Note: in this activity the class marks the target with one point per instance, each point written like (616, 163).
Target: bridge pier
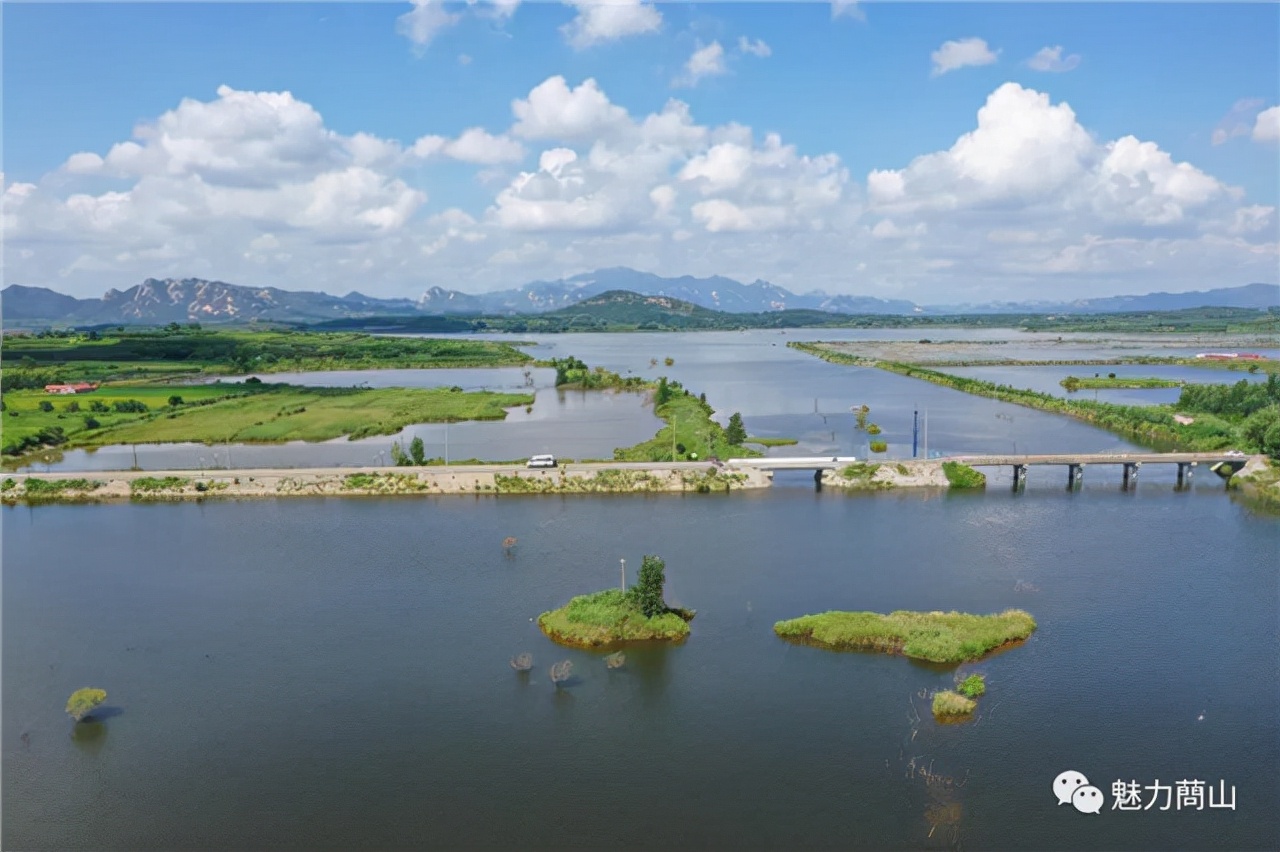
(1185, 469)
(1075, 475)
(1019, 477)
(1131, 474)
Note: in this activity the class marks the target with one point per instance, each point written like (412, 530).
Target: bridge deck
(837, 462)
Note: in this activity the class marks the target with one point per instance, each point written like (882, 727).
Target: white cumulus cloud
(600, 21)
(963, 53)
(706, 61)
(553, 110)
(756, 48)
(474, 145)
(1266, 128)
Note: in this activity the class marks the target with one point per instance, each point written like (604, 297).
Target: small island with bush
(613, 616)
(939, 637)
(958, 704)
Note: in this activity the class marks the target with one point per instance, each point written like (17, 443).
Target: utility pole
(926, 433)
(446, 443)
(915, 432)
(624, 574)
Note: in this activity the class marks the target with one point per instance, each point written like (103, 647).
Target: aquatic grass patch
(948, 703)
(772, 442)
(878, 446)
(939, 637)
(609, 617)
(960, 475)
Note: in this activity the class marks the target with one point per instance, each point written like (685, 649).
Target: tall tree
(663, 394)
(735, 433)
(647, 592)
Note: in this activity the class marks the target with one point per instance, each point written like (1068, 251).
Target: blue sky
(1058, 202)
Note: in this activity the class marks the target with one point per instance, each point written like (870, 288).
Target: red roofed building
(78, 387)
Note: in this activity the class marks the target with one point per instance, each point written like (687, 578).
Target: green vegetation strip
(1074, 383)
(145, 485)
(55, 487)
(607, 617)
(772, 442)
(1244, 415)
(939, 637)
(689, 432)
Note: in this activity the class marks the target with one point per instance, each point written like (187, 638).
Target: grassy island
(947, 703)
(614, 616)
(1074, 383)
(939, 637)
(609, 617)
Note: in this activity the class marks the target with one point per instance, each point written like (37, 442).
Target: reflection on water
(89, 735)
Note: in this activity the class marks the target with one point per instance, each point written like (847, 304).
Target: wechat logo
(1072, 788)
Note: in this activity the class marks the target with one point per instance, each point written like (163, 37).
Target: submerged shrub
(972, 686)
(560, 672)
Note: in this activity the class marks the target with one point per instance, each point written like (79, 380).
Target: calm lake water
(779, 391)
(328, 673)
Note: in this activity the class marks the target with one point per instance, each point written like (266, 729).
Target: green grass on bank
(940, 637)
(608, 617)
(962, 476)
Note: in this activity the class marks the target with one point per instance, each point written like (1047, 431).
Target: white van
(541, 461)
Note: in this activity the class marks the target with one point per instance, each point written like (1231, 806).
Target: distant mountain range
(195, 300)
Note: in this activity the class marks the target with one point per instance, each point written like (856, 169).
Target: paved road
(347, 471)
(767, 463)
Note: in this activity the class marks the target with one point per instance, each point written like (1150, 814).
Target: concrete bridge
(1221, 462)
